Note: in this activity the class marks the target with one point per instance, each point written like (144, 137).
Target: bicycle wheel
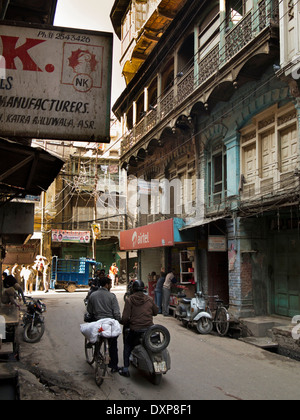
(101, 349)
(89, 352)
(222, 321)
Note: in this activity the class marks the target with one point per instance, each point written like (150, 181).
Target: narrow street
(203, 367)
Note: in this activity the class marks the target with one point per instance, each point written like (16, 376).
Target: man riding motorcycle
(137, 316)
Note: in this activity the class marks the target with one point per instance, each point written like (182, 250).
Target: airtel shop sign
(157, 235)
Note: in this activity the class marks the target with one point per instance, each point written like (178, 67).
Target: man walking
(170, 279)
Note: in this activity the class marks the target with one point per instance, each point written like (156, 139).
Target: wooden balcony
(252, 32)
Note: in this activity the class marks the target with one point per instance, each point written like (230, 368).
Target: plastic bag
(107, 327)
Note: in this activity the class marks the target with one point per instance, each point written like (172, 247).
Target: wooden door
(286, 299)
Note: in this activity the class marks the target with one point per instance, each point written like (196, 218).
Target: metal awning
(203, 222)
(25, 170)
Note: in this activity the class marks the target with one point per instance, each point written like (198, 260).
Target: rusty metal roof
(25, 170)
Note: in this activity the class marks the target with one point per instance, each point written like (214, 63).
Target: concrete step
(261, 326)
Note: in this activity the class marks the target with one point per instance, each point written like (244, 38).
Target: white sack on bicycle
(107, 327)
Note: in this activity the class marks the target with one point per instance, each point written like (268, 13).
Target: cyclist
(137, 316)
(103, 304)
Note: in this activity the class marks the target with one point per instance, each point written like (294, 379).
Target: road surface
(203, 367)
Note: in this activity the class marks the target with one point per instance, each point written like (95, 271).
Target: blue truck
(72, 274)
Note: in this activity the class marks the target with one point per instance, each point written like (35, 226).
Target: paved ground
(203, 367)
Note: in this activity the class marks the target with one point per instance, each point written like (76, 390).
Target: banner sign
(83, 237)
(55, 83)
(157, 235)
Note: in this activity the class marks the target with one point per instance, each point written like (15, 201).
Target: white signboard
(55, 83)
(217, 244)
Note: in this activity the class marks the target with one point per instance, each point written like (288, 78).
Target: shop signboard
(55, 83)
(157, 235)
(217, 244)
(83, 237)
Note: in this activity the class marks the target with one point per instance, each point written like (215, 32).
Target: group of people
(137, 316)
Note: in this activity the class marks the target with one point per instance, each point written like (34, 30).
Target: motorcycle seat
(186, 300)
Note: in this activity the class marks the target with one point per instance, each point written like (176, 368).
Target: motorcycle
(193, 312)
(151, 354)
(129, 289)
(33, 321)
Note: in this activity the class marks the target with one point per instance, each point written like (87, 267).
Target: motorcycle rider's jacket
(139, 311)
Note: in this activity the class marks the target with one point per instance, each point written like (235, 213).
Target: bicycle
(221, 318)
(98, 354)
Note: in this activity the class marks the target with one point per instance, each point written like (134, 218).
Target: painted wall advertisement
(55, 83)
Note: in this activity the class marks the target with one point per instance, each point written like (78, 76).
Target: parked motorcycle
(151, 354)
(33, 321)
(193, 312)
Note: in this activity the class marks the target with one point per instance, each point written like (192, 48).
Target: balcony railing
(235, 41)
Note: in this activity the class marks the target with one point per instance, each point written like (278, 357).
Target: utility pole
(95, 209)
(42, 223)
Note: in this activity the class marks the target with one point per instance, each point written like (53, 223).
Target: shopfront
(211, 256)
(160, 246)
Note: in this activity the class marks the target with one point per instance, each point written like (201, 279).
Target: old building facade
(210, 120)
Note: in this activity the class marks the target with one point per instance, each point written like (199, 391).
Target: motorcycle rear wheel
(204, 326)
(32, 334)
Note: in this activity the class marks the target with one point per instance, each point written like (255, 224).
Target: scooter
(150, 354)
(193, 312)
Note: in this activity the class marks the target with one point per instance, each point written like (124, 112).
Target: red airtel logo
(11, 52)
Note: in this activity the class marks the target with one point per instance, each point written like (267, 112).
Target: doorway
(285, 296)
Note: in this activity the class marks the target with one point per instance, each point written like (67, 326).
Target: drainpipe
(222, 58)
